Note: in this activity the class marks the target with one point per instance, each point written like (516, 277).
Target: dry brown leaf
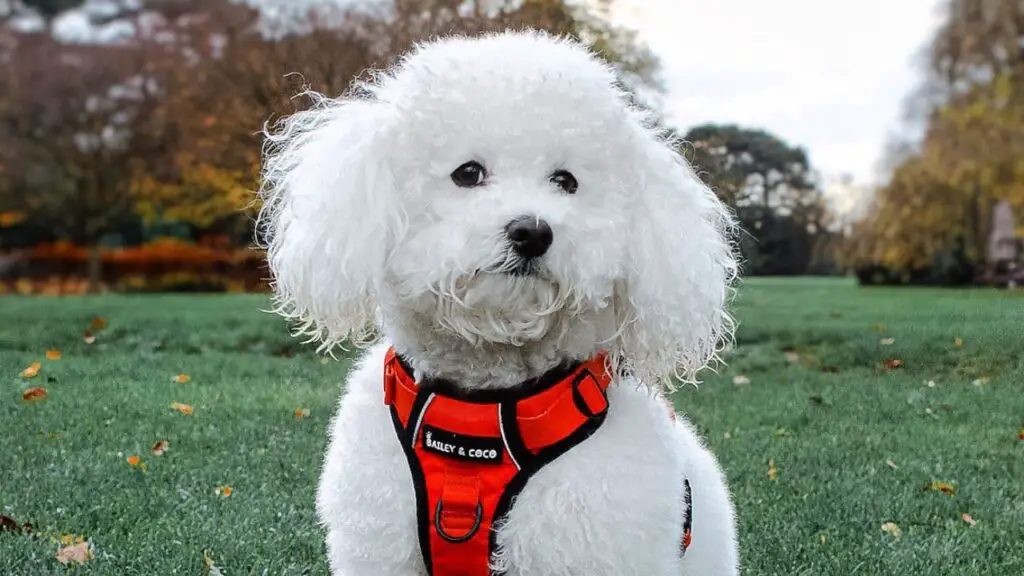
(53, 354)
(958, 342)
(967, 518)
(160, 447)
(77, 553)
(183, 408)
(944, 487)
(7, 524)
(88, 337)
(224, 491)
(182, 378)
(32, 371)
(879, 327)
(1020, 434)
(891, 528)
(133, 460)
(34, 394)
(98, 323)
(773, 472)
(893, 364)
(301, 413)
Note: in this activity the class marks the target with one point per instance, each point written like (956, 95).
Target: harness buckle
(588, 396)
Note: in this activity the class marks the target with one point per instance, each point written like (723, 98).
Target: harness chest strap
(470, 458)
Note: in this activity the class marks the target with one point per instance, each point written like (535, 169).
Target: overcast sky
(829, 75)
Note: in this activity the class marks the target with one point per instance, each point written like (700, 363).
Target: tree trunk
(95, 269)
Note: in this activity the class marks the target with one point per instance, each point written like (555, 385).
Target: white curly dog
(530, 262)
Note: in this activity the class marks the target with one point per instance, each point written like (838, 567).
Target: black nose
(530, 236)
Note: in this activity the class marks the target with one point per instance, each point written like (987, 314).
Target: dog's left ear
(329, 210)
(680, 268)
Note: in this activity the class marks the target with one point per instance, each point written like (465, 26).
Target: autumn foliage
(932, 220)
(111, 141)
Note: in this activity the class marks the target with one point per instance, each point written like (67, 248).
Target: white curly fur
(368, 235)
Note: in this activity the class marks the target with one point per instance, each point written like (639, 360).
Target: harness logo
(471, 448)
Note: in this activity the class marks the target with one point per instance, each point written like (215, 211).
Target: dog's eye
(469, 175)
(565, 180)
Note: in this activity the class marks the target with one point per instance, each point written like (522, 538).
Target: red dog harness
(471, 457)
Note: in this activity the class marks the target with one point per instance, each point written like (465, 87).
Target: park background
(870, 416)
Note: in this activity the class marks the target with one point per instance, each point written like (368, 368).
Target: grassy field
(852, 442)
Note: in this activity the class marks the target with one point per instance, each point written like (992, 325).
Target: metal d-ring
(455, 540)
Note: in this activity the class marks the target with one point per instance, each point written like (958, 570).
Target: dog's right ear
(328, 207)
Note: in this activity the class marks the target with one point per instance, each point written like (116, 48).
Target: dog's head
(502, 190)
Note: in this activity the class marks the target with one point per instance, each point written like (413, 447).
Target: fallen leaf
(891, 528)
(823, 538)
(1020, 434)
(134, 460)
(98, 323)
(782, 433)
(210, 568)
(829, 369)
(301, 413)
(182, 378)
(224, 491)
(53, 354)
(944, 487)
(32, 371)
(727, 436)
(967, 518)
(34, 394)
(740, 380)
(893, 364)
(981, 381)
(160, 447)
(887, 341)
(879, 327)
(773, 472)
(88, 337)
(183, 408)
(325, 360)
(7, 524)
(791, 356)
(958, 342)
(892, 465)
(78, 553)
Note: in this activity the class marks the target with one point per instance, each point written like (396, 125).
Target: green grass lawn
(852, 443)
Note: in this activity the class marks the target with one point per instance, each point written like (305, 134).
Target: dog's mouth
(522, 268)
(515, 267)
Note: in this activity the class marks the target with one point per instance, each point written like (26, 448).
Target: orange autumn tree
(935, 211)
(246, 68)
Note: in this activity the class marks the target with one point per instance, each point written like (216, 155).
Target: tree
(772, 189)
(246, 67)
(72, 119)
(939, 198)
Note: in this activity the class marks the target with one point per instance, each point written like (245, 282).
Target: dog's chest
(581, 513)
